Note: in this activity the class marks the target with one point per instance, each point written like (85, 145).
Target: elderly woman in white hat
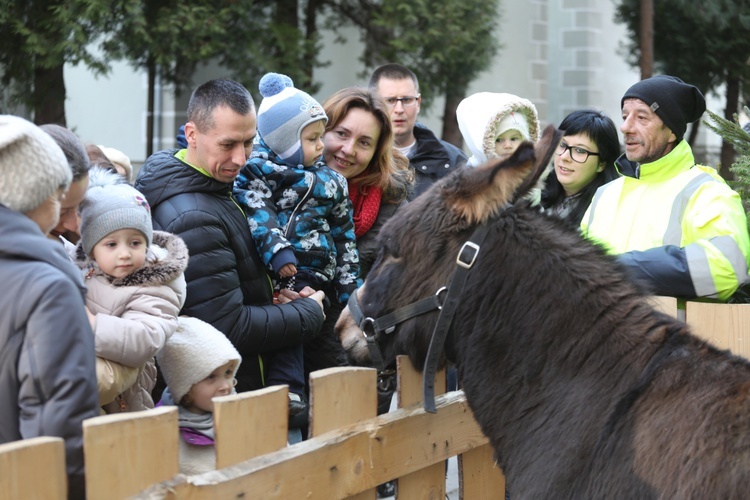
(47, 377)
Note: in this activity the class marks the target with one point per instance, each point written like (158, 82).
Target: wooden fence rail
(350, 451)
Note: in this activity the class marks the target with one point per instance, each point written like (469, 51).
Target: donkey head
(418, 249)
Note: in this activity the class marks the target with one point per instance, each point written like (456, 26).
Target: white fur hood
(478, 116)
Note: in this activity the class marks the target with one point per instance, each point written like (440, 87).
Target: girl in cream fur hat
(493, 125)
(198, 363)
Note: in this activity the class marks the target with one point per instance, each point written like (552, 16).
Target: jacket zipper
(301, 202)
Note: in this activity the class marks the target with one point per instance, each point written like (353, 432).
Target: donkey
(583, 389)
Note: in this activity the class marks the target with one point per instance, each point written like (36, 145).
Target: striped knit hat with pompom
(282, 115)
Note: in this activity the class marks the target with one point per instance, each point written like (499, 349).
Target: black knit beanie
(677, 103)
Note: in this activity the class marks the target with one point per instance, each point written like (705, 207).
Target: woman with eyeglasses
(584, 160)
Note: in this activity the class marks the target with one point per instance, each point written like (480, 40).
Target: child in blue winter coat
(299, 210)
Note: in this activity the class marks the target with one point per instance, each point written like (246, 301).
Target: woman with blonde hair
(358, 143)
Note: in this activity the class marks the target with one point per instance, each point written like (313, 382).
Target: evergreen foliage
(447, 42)
(734, 134)
(705, 44)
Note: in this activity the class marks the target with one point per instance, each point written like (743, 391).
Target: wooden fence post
(127, 452)
(479, 477)
(724, 325)
(343, 396)
(250, 424)
(430, 481)
(33, 469)
(667, 305)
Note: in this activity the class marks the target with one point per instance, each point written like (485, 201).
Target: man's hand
(285, 296)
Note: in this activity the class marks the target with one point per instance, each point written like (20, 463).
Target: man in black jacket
(190, 193)
(430, 157)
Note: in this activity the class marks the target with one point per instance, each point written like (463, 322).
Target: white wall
(108, 110)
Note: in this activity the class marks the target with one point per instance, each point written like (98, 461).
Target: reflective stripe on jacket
(674, 216)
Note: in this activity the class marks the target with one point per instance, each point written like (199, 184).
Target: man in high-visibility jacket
(677, 226)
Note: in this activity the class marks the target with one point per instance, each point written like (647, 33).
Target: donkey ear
(477, 194)
(543, 151)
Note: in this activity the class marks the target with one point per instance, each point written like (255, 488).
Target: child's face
(507, 143)
(219, 383)
(312, 142)
(121, 252)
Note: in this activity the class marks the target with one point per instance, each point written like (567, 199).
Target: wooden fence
(350, 452)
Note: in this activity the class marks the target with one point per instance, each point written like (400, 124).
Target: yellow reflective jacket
(676, 225)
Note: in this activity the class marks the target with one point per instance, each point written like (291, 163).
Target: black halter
(373, 328)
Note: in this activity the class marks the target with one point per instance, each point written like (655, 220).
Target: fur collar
(166, 261)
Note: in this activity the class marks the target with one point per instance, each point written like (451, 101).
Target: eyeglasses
(406, 101)
(578, 155)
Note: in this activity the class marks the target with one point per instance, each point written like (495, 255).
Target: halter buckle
(472, 250)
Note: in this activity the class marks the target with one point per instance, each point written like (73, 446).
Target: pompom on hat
(677, 103)
(193, 351)
(282, 115)
(110, 207)
(32, 165)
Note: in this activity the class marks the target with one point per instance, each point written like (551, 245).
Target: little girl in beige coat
(135, 283)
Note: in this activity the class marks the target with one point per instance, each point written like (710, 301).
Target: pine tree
(734, 134)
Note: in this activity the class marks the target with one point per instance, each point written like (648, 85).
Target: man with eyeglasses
(676, 225)
(430, 157)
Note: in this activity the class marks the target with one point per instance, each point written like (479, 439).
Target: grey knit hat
(32, 165)
(110, 208)
(193, 351)
(283, 113)
(677, 103)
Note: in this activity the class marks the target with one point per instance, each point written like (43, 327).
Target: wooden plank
(33, 469)
(250, 424)
(410, 383)
(667, 305)
(430, 481)
(727, 326)
(343, 463)
(478, 476)
(343, 396)
(127, 452)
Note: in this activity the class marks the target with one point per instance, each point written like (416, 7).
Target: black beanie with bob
(677, 103)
